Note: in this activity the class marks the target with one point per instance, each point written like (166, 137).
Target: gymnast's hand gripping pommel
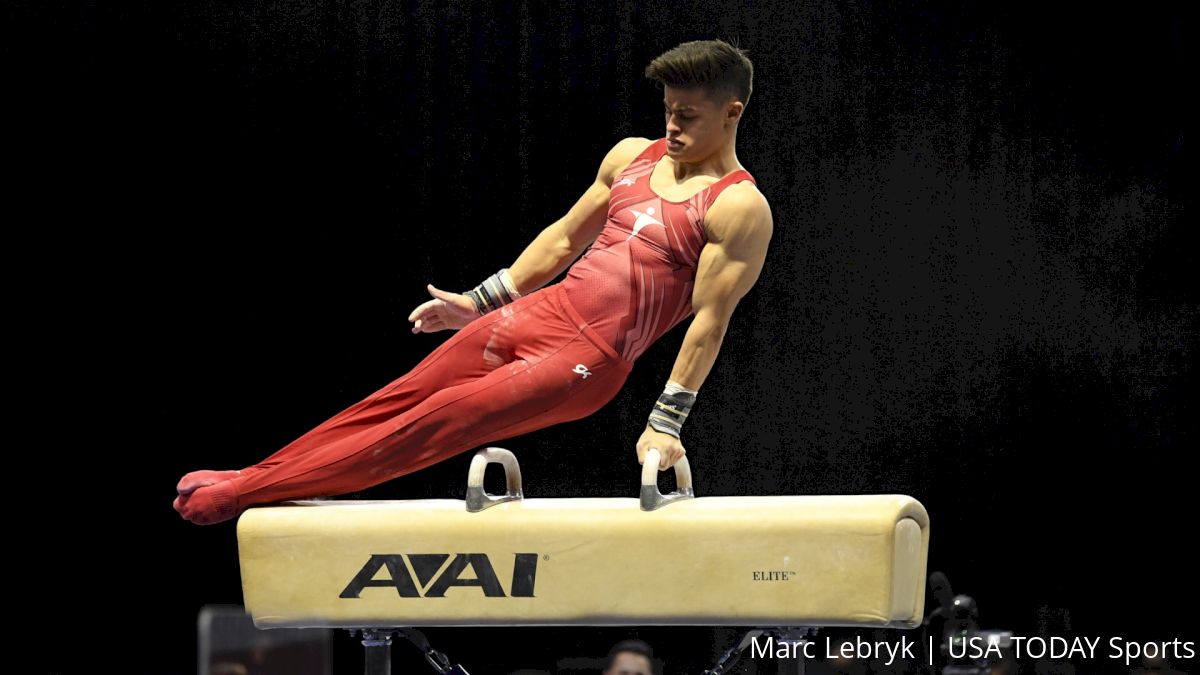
(665, 425)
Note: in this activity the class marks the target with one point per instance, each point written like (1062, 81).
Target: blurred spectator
(629, 657)
(1156, 665)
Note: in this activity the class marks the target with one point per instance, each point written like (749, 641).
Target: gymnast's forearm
(544, 259)
(696, 357)
(699, 350)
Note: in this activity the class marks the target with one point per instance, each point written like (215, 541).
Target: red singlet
(635, 281)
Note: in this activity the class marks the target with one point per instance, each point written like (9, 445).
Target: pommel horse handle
(477, 498)
(653, 499)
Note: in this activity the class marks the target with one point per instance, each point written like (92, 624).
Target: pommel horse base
(788, 563)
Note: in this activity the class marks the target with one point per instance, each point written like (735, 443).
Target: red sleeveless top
(634, 283)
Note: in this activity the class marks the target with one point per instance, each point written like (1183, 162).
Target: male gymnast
(671, 227)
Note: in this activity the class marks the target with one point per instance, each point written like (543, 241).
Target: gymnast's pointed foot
(199, 479)
(210, 504)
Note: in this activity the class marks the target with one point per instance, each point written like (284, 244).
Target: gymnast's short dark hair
(632, 645)
(722, 70)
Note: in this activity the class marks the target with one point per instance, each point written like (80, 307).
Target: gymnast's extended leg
(405, 429)
(468, 354)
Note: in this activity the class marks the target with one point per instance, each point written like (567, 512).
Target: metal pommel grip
(477, 498)
(651, 498)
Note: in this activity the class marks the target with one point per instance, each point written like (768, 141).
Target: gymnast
(672, 227)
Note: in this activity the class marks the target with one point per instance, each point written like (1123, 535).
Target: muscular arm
(740, 227)
(557, 246)
(547, 256)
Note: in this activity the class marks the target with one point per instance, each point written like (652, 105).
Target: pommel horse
(785, 564)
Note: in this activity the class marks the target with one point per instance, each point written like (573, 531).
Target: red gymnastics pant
(525, 366)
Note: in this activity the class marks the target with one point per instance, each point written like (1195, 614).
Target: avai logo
(430, 584)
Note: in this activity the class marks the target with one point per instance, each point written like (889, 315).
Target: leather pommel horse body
(659, 560)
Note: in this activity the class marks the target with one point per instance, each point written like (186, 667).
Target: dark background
(977, 292)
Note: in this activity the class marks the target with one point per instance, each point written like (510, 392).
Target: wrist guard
(495, 291)
(672, 409)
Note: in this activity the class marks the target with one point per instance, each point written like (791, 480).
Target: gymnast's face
(697, 126)
(628, 663)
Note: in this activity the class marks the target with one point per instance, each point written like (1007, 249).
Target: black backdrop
(976, 293)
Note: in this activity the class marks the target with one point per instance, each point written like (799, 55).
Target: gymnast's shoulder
(620, 156)
(632, 146)
(739, 209)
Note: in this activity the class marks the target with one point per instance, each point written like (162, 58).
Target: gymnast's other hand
(445, 310)
(670, 449)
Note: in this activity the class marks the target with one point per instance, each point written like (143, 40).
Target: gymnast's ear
(733, 111)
